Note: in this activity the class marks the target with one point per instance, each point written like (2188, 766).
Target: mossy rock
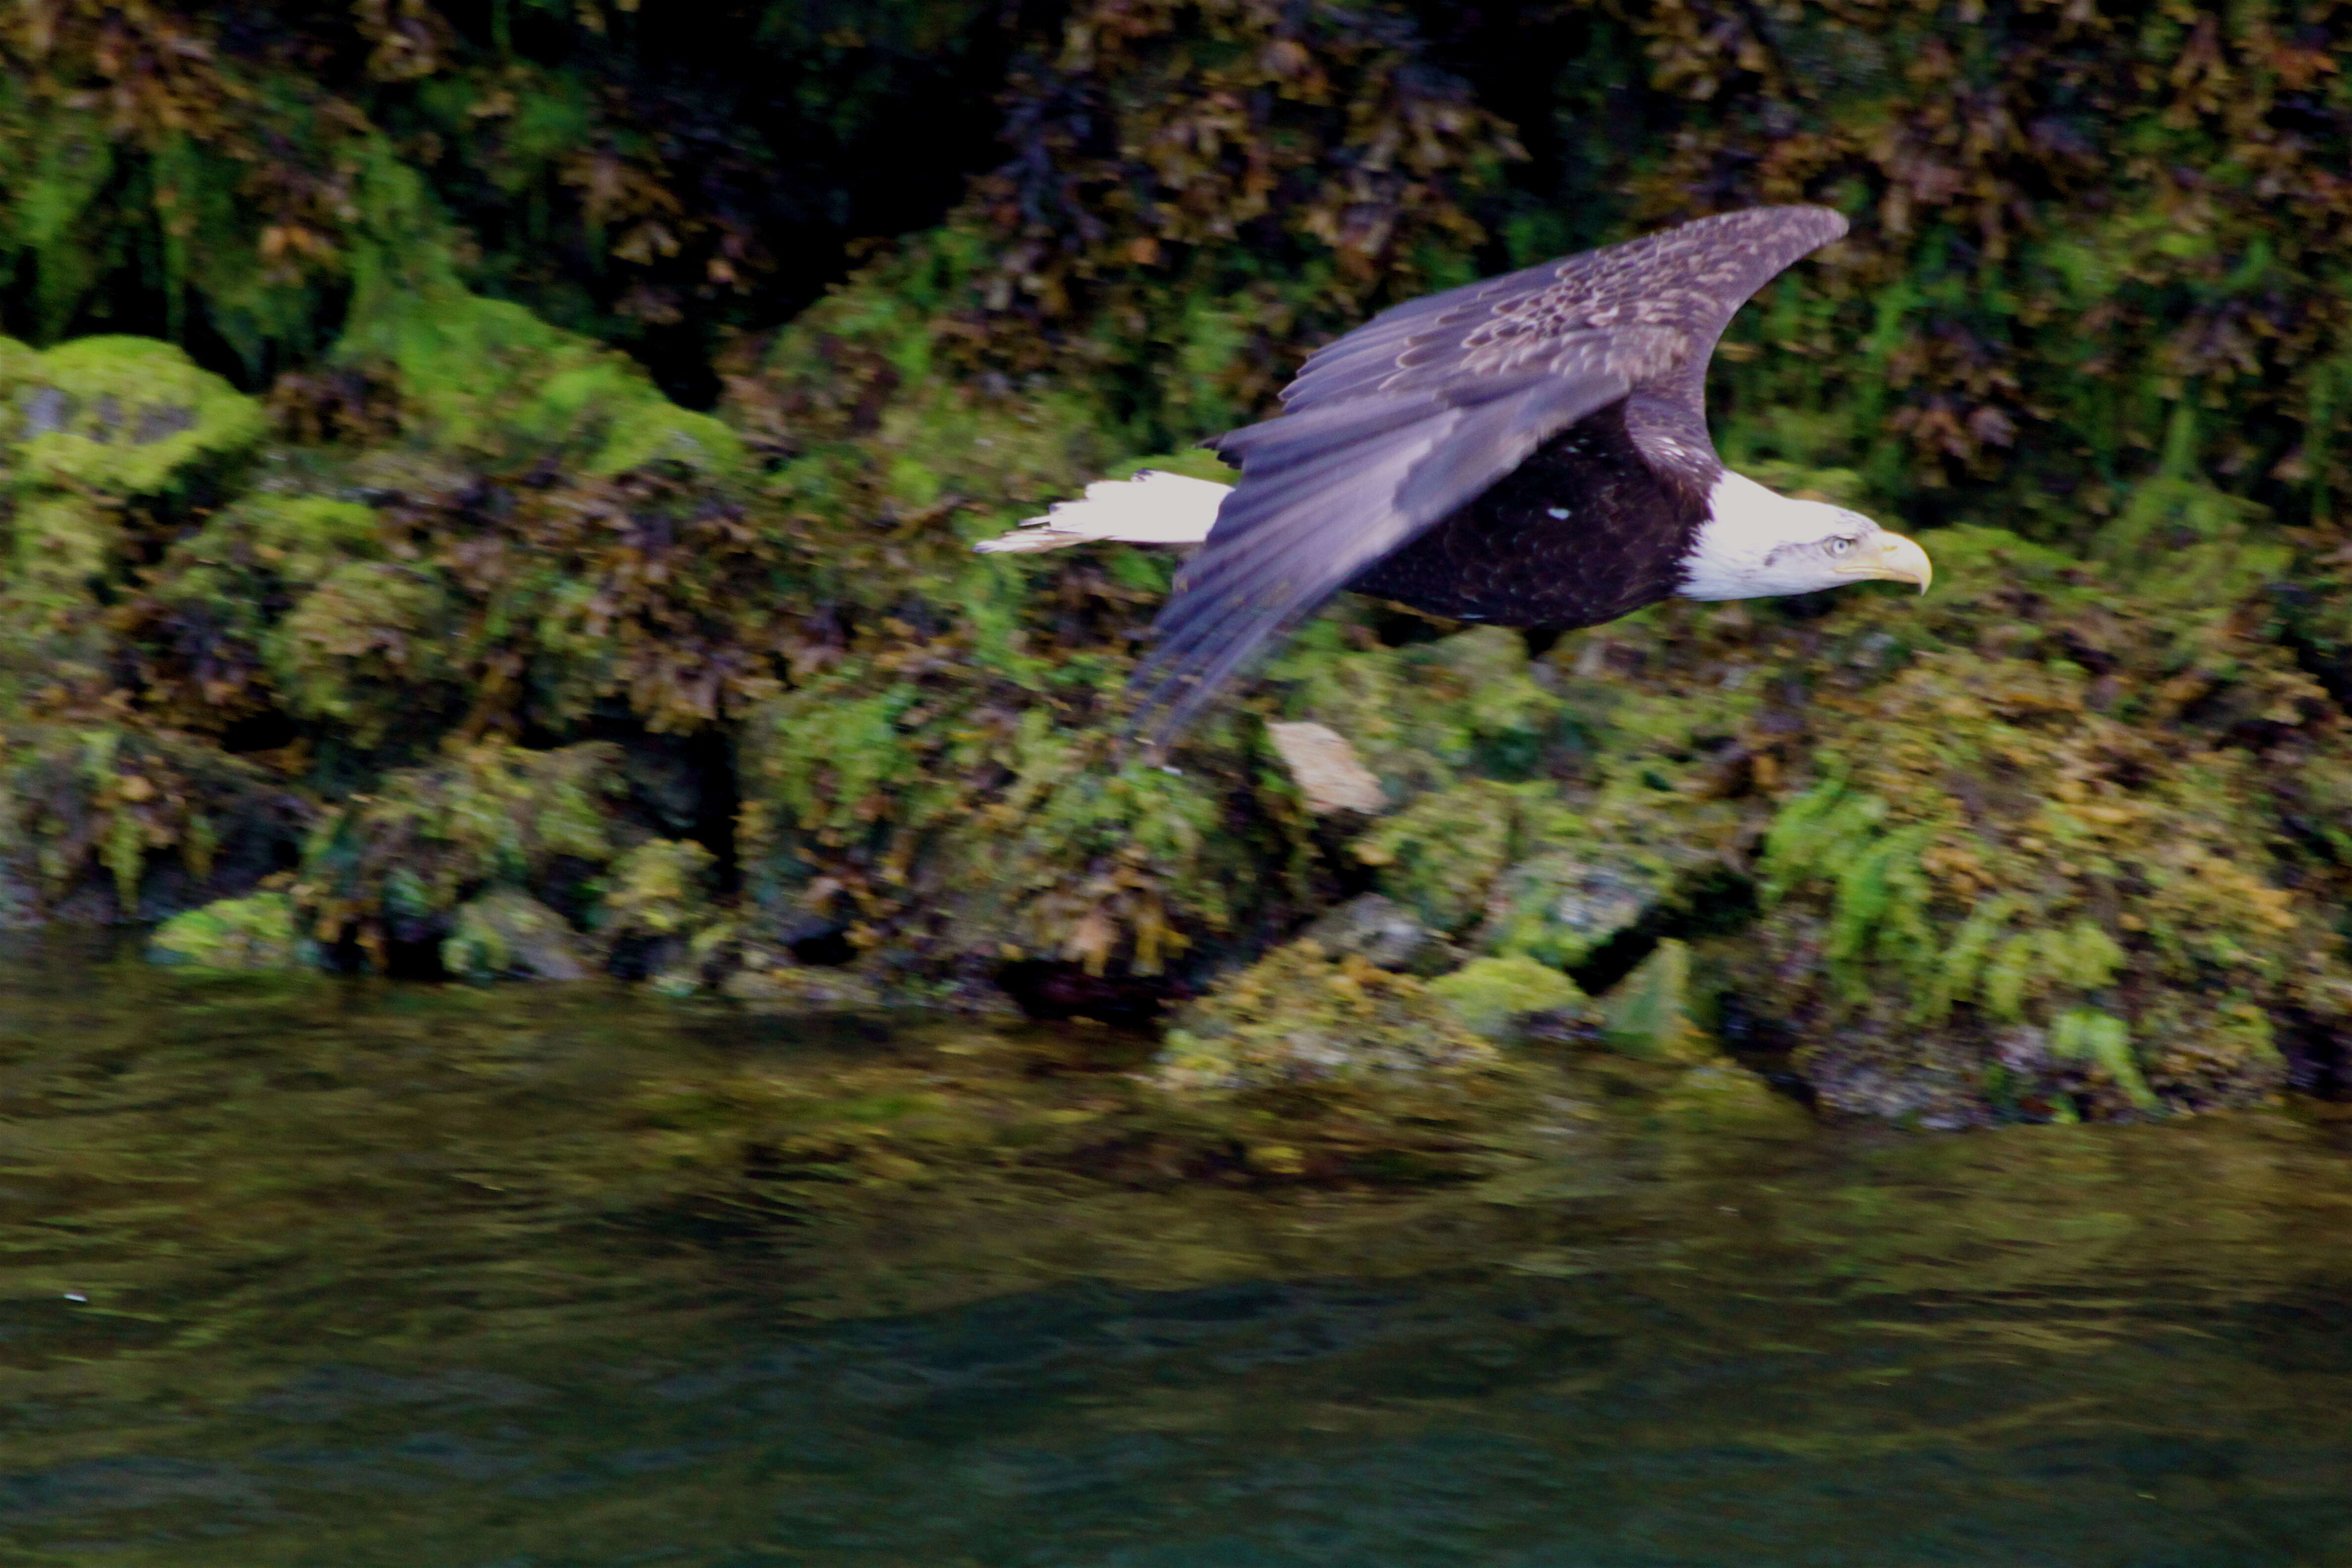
(1561, 907)
(2020, 888)
(487, 375)
(969, 829)
(105, 821)
(1650, 1014)
(394, 864)
(509, 935)
(91, 428)
(1442, 855)
(1721, 1099)
(1384, 932)
(121, 416)
(1494, 996)
(660, 888)
(263, 932)
(1301, 1017)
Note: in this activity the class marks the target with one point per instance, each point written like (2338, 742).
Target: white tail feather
(1153, 508)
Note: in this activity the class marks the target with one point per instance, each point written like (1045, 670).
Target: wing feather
(1318, 506)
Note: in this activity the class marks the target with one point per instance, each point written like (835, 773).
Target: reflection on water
(333, 1275)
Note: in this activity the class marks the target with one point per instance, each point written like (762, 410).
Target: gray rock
(1854, 1077)
(1376, 928)
(1326, 769)
(1559, 907)
(45, 408)
(784, 986)
(508, 935)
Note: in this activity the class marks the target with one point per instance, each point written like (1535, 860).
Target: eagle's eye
(1840, 545)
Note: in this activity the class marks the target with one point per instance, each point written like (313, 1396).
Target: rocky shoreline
(2064, 840)
(450, 643)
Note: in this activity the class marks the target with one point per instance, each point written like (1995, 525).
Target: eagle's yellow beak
(1894, 558)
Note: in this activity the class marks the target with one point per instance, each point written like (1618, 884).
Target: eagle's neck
(1744, 548)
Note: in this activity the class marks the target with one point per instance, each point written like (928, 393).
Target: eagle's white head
(1757, 544)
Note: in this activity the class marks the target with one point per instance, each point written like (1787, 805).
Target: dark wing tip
(1827, 222)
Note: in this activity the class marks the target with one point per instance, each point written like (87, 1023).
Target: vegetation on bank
(372, 608)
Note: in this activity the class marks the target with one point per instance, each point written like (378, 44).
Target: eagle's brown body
(1584, 531)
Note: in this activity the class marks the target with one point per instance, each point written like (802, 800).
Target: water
(338, 1276)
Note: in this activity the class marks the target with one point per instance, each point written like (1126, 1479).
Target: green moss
(488, 375)
(56, 652)
(1424, 715)
(1717, 1101)
(63, 543)
(1491, 995)
(93, 427)
(1990, 853)
(1561, 907)
(263, 931)
(1197, 462)
(975, 829)
(296, 540)
(214, 612)
(2102, 1042)
(1309, 1066)
(656, 915)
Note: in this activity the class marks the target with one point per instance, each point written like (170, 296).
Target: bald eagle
(1530, 451)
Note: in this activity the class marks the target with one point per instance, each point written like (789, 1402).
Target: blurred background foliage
(2071, 220)
(391, 383)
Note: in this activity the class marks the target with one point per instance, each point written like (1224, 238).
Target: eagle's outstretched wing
(1415, 413)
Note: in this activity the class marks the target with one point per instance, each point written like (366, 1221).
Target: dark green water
(386, 1275)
